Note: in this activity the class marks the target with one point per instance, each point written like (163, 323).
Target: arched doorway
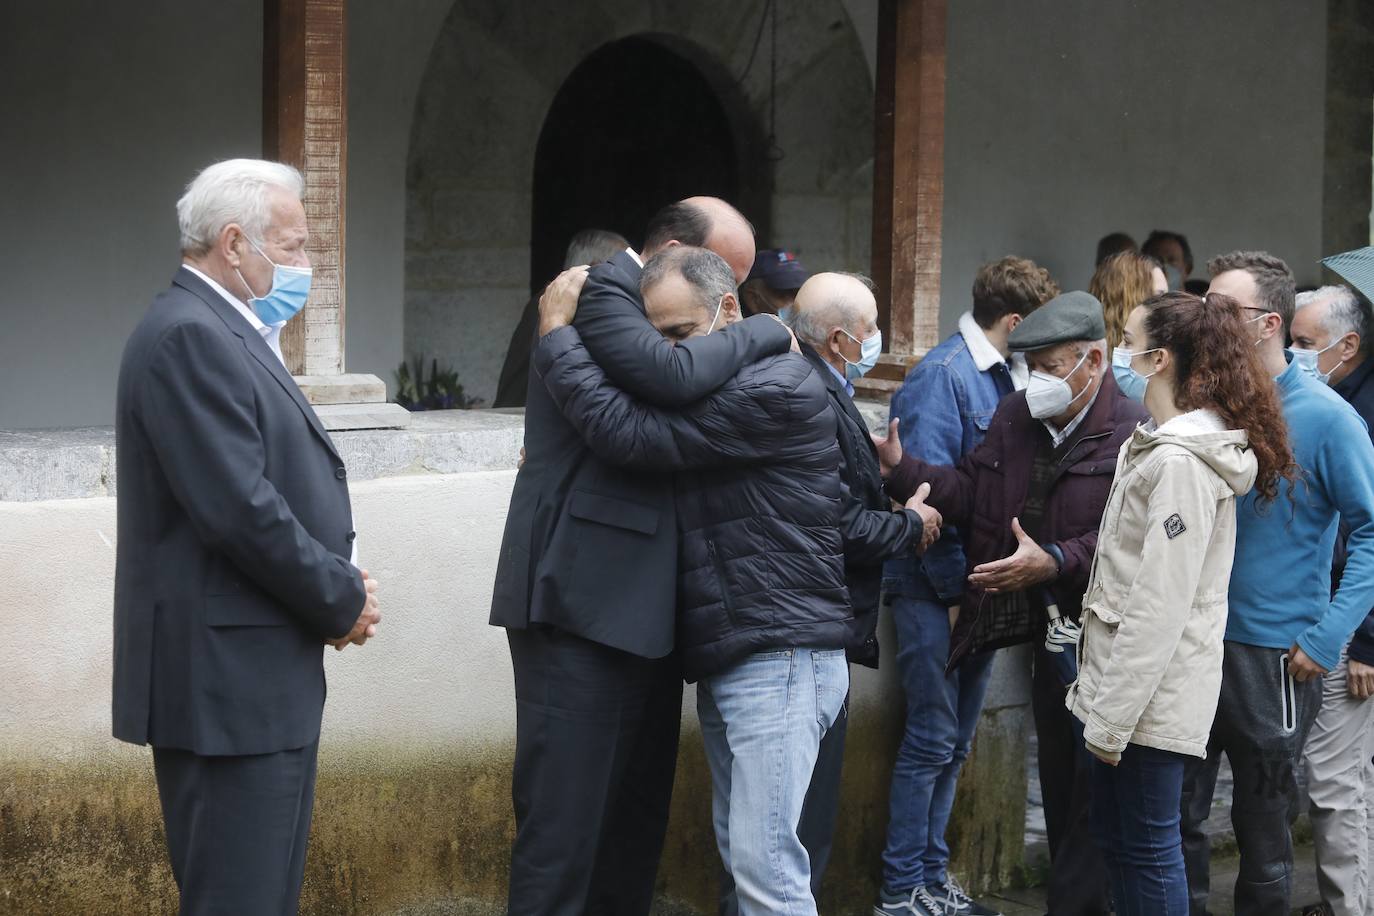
(634, 126)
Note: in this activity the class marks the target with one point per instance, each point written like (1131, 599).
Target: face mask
(290, 288)
(869, 350)
(715, 317)
(1131, 383)
(1307, 360)
(785, 315)
(1174, 277)
(1049, 395)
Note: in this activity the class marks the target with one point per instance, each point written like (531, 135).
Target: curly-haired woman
(1150, 658)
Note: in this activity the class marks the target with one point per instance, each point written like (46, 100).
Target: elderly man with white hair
(1330, 332)
(234, 563)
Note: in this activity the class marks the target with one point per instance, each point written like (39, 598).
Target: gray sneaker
(916, 902)
(954, 902)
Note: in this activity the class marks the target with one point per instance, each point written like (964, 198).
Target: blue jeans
(1135, 815)
(941, 716)
(762, 722)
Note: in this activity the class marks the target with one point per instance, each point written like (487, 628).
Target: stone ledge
(80, 463)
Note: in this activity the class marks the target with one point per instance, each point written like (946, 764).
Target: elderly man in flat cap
(1029, 500)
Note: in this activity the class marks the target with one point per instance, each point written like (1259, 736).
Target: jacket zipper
(719, 566)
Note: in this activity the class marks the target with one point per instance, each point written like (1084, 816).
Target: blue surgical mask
(785, 315)
(290, 289)
(869, 351)
(1131, 383)
(1174, 277)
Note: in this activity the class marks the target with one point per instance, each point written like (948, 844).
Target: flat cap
(1074, 315)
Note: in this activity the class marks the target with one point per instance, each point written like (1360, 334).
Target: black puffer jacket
(761, 561)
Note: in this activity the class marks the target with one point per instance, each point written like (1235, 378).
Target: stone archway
(491, 79)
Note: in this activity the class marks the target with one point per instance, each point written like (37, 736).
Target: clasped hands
(371, 615)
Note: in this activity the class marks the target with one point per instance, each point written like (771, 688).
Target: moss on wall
(395, 831)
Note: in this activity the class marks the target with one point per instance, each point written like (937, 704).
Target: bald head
(705, 222)
(835, 312)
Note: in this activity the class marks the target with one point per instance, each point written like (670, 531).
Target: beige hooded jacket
(1149, 659)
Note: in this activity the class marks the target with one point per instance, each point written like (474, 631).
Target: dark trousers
(1078, 882)
(596, 738)
(1261, 724)
(819, 813)
(1135, 816)
(237, 828)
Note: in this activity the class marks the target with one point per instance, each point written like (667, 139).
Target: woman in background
(1122, 282)
(1150, 656)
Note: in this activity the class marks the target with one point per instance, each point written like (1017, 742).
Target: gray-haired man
(1330, 330)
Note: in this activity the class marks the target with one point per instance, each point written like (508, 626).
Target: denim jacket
(945, 406)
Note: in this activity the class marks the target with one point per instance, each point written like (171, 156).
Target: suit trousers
(1078, 873)
(237, 828)
(596, 738)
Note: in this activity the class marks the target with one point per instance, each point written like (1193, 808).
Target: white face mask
(1049, 395)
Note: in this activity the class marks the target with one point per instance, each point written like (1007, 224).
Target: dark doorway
(635, 126)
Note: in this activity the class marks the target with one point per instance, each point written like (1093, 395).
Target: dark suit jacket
(591, 548)
(872, 531)
(234, 532)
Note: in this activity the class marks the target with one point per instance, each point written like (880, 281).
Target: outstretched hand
(1029, 565)
(889, 449)
(558, 304)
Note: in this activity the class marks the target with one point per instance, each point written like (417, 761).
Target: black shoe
(955, 902)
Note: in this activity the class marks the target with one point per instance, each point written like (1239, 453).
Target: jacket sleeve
(199, 415)
(1345, 467)
(873, 535)
(652, 368)
(951, 488)
(1157, 607)
(932, 429)
(1078, 561)
(630, 433)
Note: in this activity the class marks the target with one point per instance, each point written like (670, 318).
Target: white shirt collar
(985, 355)
(271, 333)
(635, 254)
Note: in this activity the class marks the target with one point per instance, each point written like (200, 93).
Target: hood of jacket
(1202, 432)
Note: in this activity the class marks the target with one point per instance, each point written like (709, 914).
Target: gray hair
(704, 270)
(232, 191)
(813, 325)
(1345, 312)
(592, 246)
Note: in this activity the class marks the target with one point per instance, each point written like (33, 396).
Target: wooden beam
(908, 176)
(305, 123)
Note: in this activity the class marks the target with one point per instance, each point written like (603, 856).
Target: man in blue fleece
(1285, 629)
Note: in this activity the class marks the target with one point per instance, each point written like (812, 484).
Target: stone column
(305, 123)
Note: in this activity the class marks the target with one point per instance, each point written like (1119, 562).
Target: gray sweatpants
(1339, 784)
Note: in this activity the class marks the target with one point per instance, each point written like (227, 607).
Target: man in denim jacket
(944, 407)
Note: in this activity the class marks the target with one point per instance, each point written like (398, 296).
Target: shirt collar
(271, 333)
(1060, 436)
(634, 255)
(848, 385)
(985, 356)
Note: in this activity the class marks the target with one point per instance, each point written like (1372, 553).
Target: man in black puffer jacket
(764, 617)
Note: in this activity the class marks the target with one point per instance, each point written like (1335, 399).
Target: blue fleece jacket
(1281, 581)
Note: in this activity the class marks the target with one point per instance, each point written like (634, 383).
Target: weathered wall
(1205, 118)
(492, 74)
(413, 809)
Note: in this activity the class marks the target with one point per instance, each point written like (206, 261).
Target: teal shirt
(1281, 581)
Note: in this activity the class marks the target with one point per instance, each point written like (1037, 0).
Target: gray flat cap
(1069, 316)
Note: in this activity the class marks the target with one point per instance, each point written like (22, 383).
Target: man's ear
(729, 307)
(1012, 321)
(1350, 345)
(230, 244)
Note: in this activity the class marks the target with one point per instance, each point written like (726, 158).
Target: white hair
(232, 191)
(1344, 313)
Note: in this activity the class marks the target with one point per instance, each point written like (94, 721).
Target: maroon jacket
(988, 489)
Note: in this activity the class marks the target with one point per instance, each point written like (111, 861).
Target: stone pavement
(1031, 902)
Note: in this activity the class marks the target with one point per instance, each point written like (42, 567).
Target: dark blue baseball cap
(779, 269)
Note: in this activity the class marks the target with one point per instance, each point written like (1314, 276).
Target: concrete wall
(1205, 118)
(413, 807)
(107, 114)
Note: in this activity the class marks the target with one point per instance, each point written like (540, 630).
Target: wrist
(550, 324)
